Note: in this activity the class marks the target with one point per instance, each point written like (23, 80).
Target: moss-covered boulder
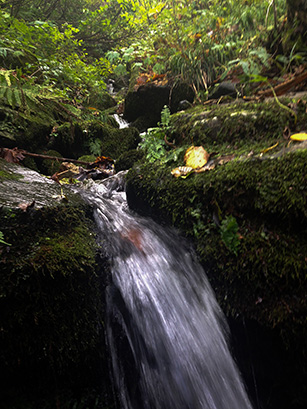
(113, 142)
(52, 281)
(263, 189)
(27, 131)
(247, 218)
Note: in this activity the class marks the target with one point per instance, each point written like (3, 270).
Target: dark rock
(147, 101)
(183, 105)
(223, 89)
(142, 123)
(143, 106)
(179, 93)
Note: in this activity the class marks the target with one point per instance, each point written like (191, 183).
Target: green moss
(87, 158)
(128, 159)
(119, 141)
(48, 166)
(260, 270)
(62, 254)
(237, 126)
(50, 294)
(5, 175)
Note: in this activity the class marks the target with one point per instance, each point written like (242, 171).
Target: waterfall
(166, 333)
(121, 122)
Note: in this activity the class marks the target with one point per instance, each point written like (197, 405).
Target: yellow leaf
(196, 157)
(181, 171)
(299, 137)
(270, 148)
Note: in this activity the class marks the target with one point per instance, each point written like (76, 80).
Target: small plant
(95, 147)
(229, 233)
(154, 142)
(2, 239)
(165, 118)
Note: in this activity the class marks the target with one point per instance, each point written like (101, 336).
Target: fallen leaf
(299, 137)
(268, 149)
(196, 157)
(11, 155)
(182, 171)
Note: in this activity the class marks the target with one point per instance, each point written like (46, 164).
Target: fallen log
(284, 87)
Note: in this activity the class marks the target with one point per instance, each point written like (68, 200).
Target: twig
(36, 155)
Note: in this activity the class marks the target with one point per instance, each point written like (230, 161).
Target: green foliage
(154, 143)
(2, 239)
(229, 233)
(95, 147)
(17, 92)
(165, 118)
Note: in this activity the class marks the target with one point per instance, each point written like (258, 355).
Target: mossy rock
(48, 166)
(52, 278)
(101, 101)
(237, 124)
(7, 129)
(70, 139)
(114, 142)
(128, 159)
(28, 131)
(263, 189)
(48, 287)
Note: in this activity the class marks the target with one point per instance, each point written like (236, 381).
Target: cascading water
(165, 330)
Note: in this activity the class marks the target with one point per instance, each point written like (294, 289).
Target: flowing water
(166, 333)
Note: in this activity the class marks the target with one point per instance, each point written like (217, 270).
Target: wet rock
(50, 287)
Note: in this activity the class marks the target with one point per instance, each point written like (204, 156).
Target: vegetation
(247, 217)
(69, 50)
(56, 58)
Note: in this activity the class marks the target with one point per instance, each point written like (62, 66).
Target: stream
(166, 333)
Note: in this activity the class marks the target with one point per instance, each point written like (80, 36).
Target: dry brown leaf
(11, 155)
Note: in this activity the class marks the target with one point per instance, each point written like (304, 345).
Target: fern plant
(23, 94)
(2, 240)
(154, 143)
(26, 96)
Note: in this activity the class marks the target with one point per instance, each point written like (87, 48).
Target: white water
(166, 332)
(121, 122)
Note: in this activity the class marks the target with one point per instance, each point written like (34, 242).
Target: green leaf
(2, 239)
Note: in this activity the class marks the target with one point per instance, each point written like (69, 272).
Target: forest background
(64, 54)
(68, 50)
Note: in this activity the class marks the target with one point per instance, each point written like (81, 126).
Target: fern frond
(6, 77)
(9, 97)
(2, 91)
(18, 98)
